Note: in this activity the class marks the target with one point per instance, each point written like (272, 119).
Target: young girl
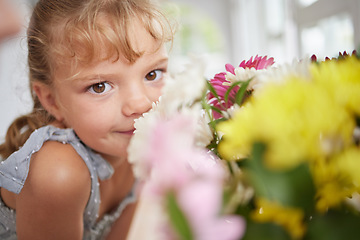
(95, 66)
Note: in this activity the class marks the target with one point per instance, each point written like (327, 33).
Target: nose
(136, 103)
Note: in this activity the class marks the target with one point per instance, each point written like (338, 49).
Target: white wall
(15, 96)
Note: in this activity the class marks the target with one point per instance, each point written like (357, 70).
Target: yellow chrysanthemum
(342, 79)
(297, 120)
(348, 163)
(336, 178)
(331, 195)
(331, 187)
(291, 219)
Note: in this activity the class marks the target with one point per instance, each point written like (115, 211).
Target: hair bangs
(105, 34)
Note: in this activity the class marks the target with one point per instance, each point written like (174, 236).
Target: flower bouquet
(258, 152)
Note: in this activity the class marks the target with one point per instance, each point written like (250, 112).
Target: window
(327, 27)
(283, 29)
(306, 3)
(328, 37)
(198, 34)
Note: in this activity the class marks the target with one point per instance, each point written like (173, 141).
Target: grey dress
(14, 171)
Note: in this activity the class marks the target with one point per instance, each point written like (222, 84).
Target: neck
(116, 162)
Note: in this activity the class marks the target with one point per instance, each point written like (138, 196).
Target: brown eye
(154, 75)
(99, 88)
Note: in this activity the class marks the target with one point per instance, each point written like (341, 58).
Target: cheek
(155, 93)
(90, 126)
(84, 115)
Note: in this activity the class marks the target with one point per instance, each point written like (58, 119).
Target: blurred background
(218, 31)
(230, 31)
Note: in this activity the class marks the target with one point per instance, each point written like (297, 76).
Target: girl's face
(103, 100)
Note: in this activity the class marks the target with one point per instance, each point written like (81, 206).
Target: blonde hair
(68, 30)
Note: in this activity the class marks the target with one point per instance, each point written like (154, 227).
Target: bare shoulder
(58, 169)
(55, 194)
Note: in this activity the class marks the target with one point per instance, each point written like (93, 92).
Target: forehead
(139, 39)
(104, 45)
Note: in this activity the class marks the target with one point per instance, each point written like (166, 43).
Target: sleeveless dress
(14, 171)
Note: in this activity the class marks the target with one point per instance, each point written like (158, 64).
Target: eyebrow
(159, 62)
(95, 76)
(92, 77)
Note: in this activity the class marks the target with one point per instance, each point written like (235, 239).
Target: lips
(130, 132)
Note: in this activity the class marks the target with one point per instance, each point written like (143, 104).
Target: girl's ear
(47, 99)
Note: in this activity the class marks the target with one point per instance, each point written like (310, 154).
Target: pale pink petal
(201, 203)
(226, 228)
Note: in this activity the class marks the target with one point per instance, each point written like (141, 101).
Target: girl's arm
(121, 227)
(52, 201)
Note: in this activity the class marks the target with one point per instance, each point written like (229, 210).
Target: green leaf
(177, 218)
(232, 86)
(293, 187)
(212, 90)
(334, 225)
(217, 121)
(240, 94)
(265, 231)
(205, 104)
(215, 109)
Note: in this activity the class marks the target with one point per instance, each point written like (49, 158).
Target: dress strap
(14, 170)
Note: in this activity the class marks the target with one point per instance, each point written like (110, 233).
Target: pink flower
(220, 88)
(201, 203)
(172, 158)
(169, 149)
(258, 63)
(194, 175)
(221, 85)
